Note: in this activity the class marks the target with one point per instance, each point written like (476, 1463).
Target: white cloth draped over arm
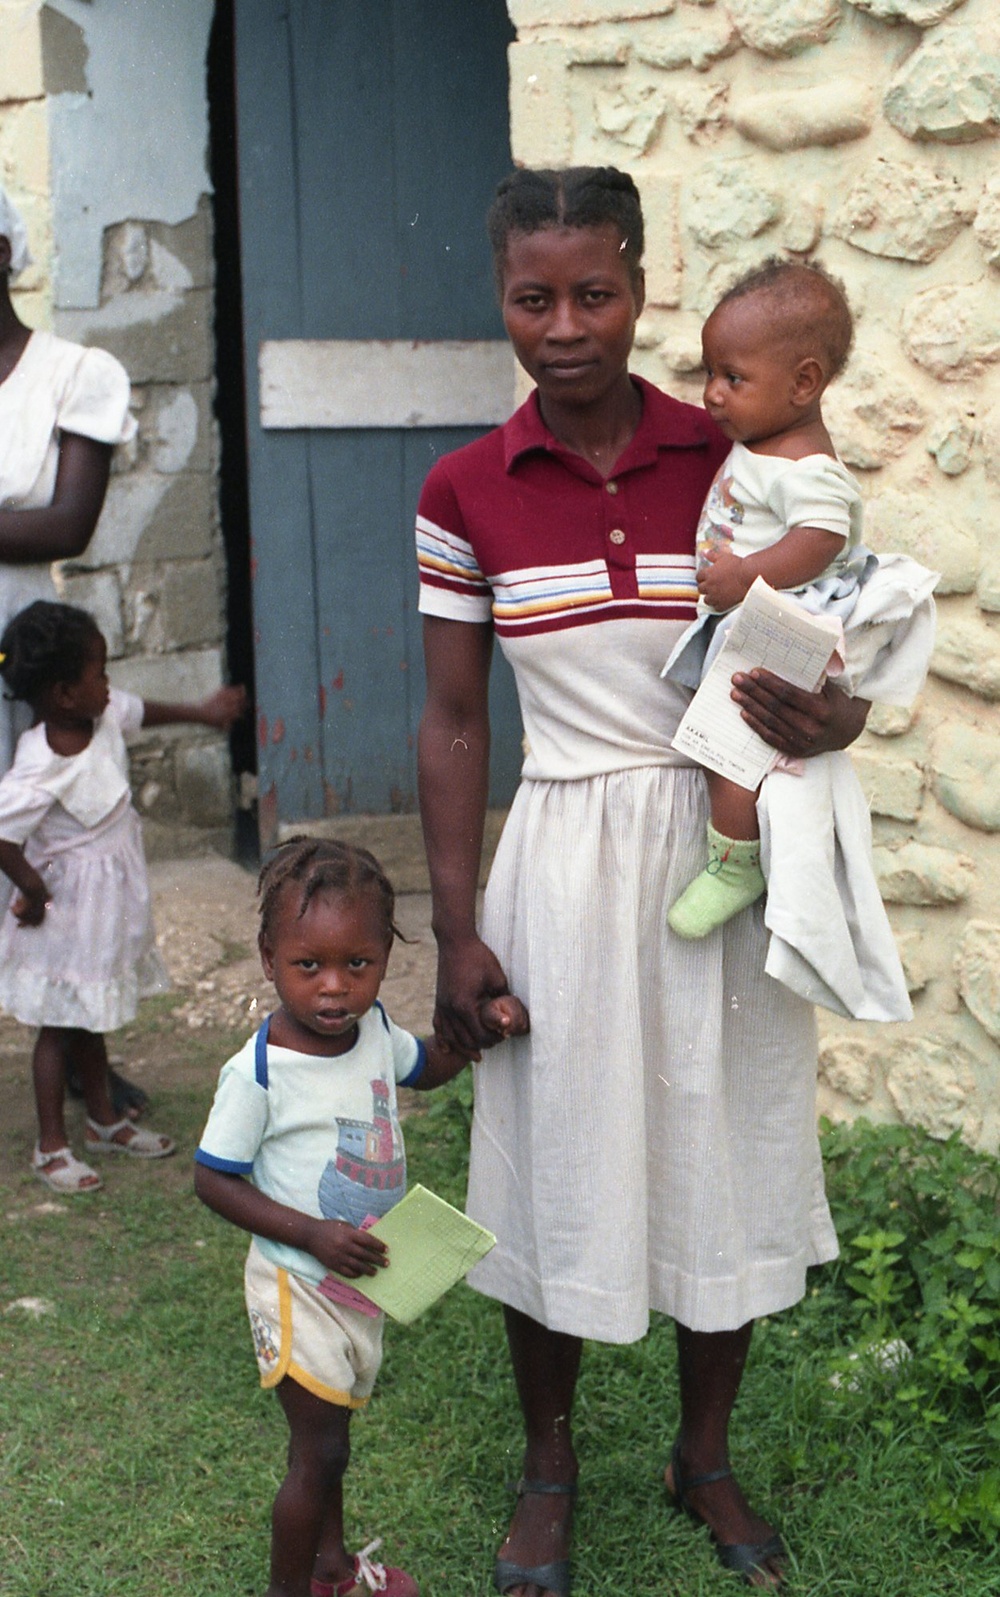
(831, 941)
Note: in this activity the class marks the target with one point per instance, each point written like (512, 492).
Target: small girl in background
(76, 943)
(303, 1148)
(782, 507)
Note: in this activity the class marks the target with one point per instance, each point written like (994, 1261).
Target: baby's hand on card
(224, 706)
(506, 1015)
(723, 579)
(347, 1250)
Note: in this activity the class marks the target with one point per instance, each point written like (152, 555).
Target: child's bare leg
(734, 808)
(732, 880)
(56, 1049)
(48, 1070)
(308, 1510)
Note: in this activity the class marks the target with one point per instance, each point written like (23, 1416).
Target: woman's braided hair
(44, 644)
(312, 865)
(573, 196)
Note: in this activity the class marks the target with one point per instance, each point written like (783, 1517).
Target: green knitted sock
(731, 881)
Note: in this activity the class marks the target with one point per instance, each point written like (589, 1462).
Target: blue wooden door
(371, 134)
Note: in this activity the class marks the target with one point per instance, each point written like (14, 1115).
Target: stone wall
(861, 133)
(103, 144)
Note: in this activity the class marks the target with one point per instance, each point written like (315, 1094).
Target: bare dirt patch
(206, 925)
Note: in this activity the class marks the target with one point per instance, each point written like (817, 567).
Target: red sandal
(368, 1577)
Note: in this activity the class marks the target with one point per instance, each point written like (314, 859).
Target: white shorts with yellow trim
(331, 1350)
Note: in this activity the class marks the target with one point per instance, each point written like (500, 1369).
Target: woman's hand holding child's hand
(223, 707)
(347, 1250)
(505, 1015)
(723, 579)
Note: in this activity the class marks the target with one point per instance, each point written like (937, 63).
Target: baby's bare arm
(797, 558)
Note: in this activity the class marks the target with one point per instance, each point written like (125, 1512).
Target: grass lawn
(140, 1457)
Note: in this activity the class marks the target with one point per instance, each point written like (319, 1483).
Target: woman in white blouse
(63, 408)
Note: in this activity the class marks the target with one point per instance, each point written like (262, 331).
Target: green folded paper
(431, 1246)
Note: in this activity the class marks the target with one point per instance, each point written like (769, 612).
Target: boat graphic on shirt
(367, 1176)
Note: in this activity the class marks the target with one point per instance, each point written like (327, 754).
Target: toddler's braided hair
(44, 644)
(573, 196)
(312, 865)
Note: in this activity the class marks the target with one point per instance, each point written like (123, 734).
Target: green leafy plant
(918, 1224)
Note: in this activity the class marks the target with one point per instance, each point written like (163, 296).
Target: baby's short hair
(811, 304)
(314, 865)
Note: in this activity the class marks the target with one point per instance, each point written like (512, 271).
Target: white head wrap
(13, 229)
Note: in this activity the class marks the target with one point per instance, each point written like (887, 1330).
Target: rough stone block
(701, 110)
(21, 75)
(204, 783)
(176, 606)
(160, 336)
(793, 119)
(922, 13)
(190, 242)
(681, 348)
(990, 440)
(890, 720)
(784, 27)
(953, 331)
(919, 873)
(541, 128)
(630, 114)
(24, 144)
(725, 204)
(968, 652)
(527, 14)
(891, 786)
(913, 958)
(903, 211)
(949, 88)
(987, 222)
(988, 587)
(188, 675)
(176, 428)
(918, 525)
(99, 592)
(871, 412)
(848, 1065)
(147, 516)
(682, 41)
(966, 774)
(932, 1084)
(951, 442)
(977, 967)
(664, 262)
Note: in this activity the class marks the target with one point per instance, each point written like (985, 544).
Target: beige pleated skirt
(652, 1145)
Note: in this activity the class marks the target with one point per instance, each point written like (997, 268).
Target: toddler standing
(782, 507)
(76, 943)
(302, 1147)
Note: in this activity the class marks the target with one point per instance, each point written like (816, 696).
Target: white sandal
(72, 1175)
(142, 1144)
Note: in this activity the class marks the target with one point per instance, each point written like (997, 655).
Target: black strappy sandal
(745, 1559)
(548, 1577)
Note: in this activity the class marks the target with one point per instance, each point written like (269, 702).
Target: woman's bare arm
(454, 757)
(64, 528)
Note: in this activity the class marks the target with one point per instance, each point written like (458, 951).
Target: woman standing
(63, 408)
(651, 1145)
